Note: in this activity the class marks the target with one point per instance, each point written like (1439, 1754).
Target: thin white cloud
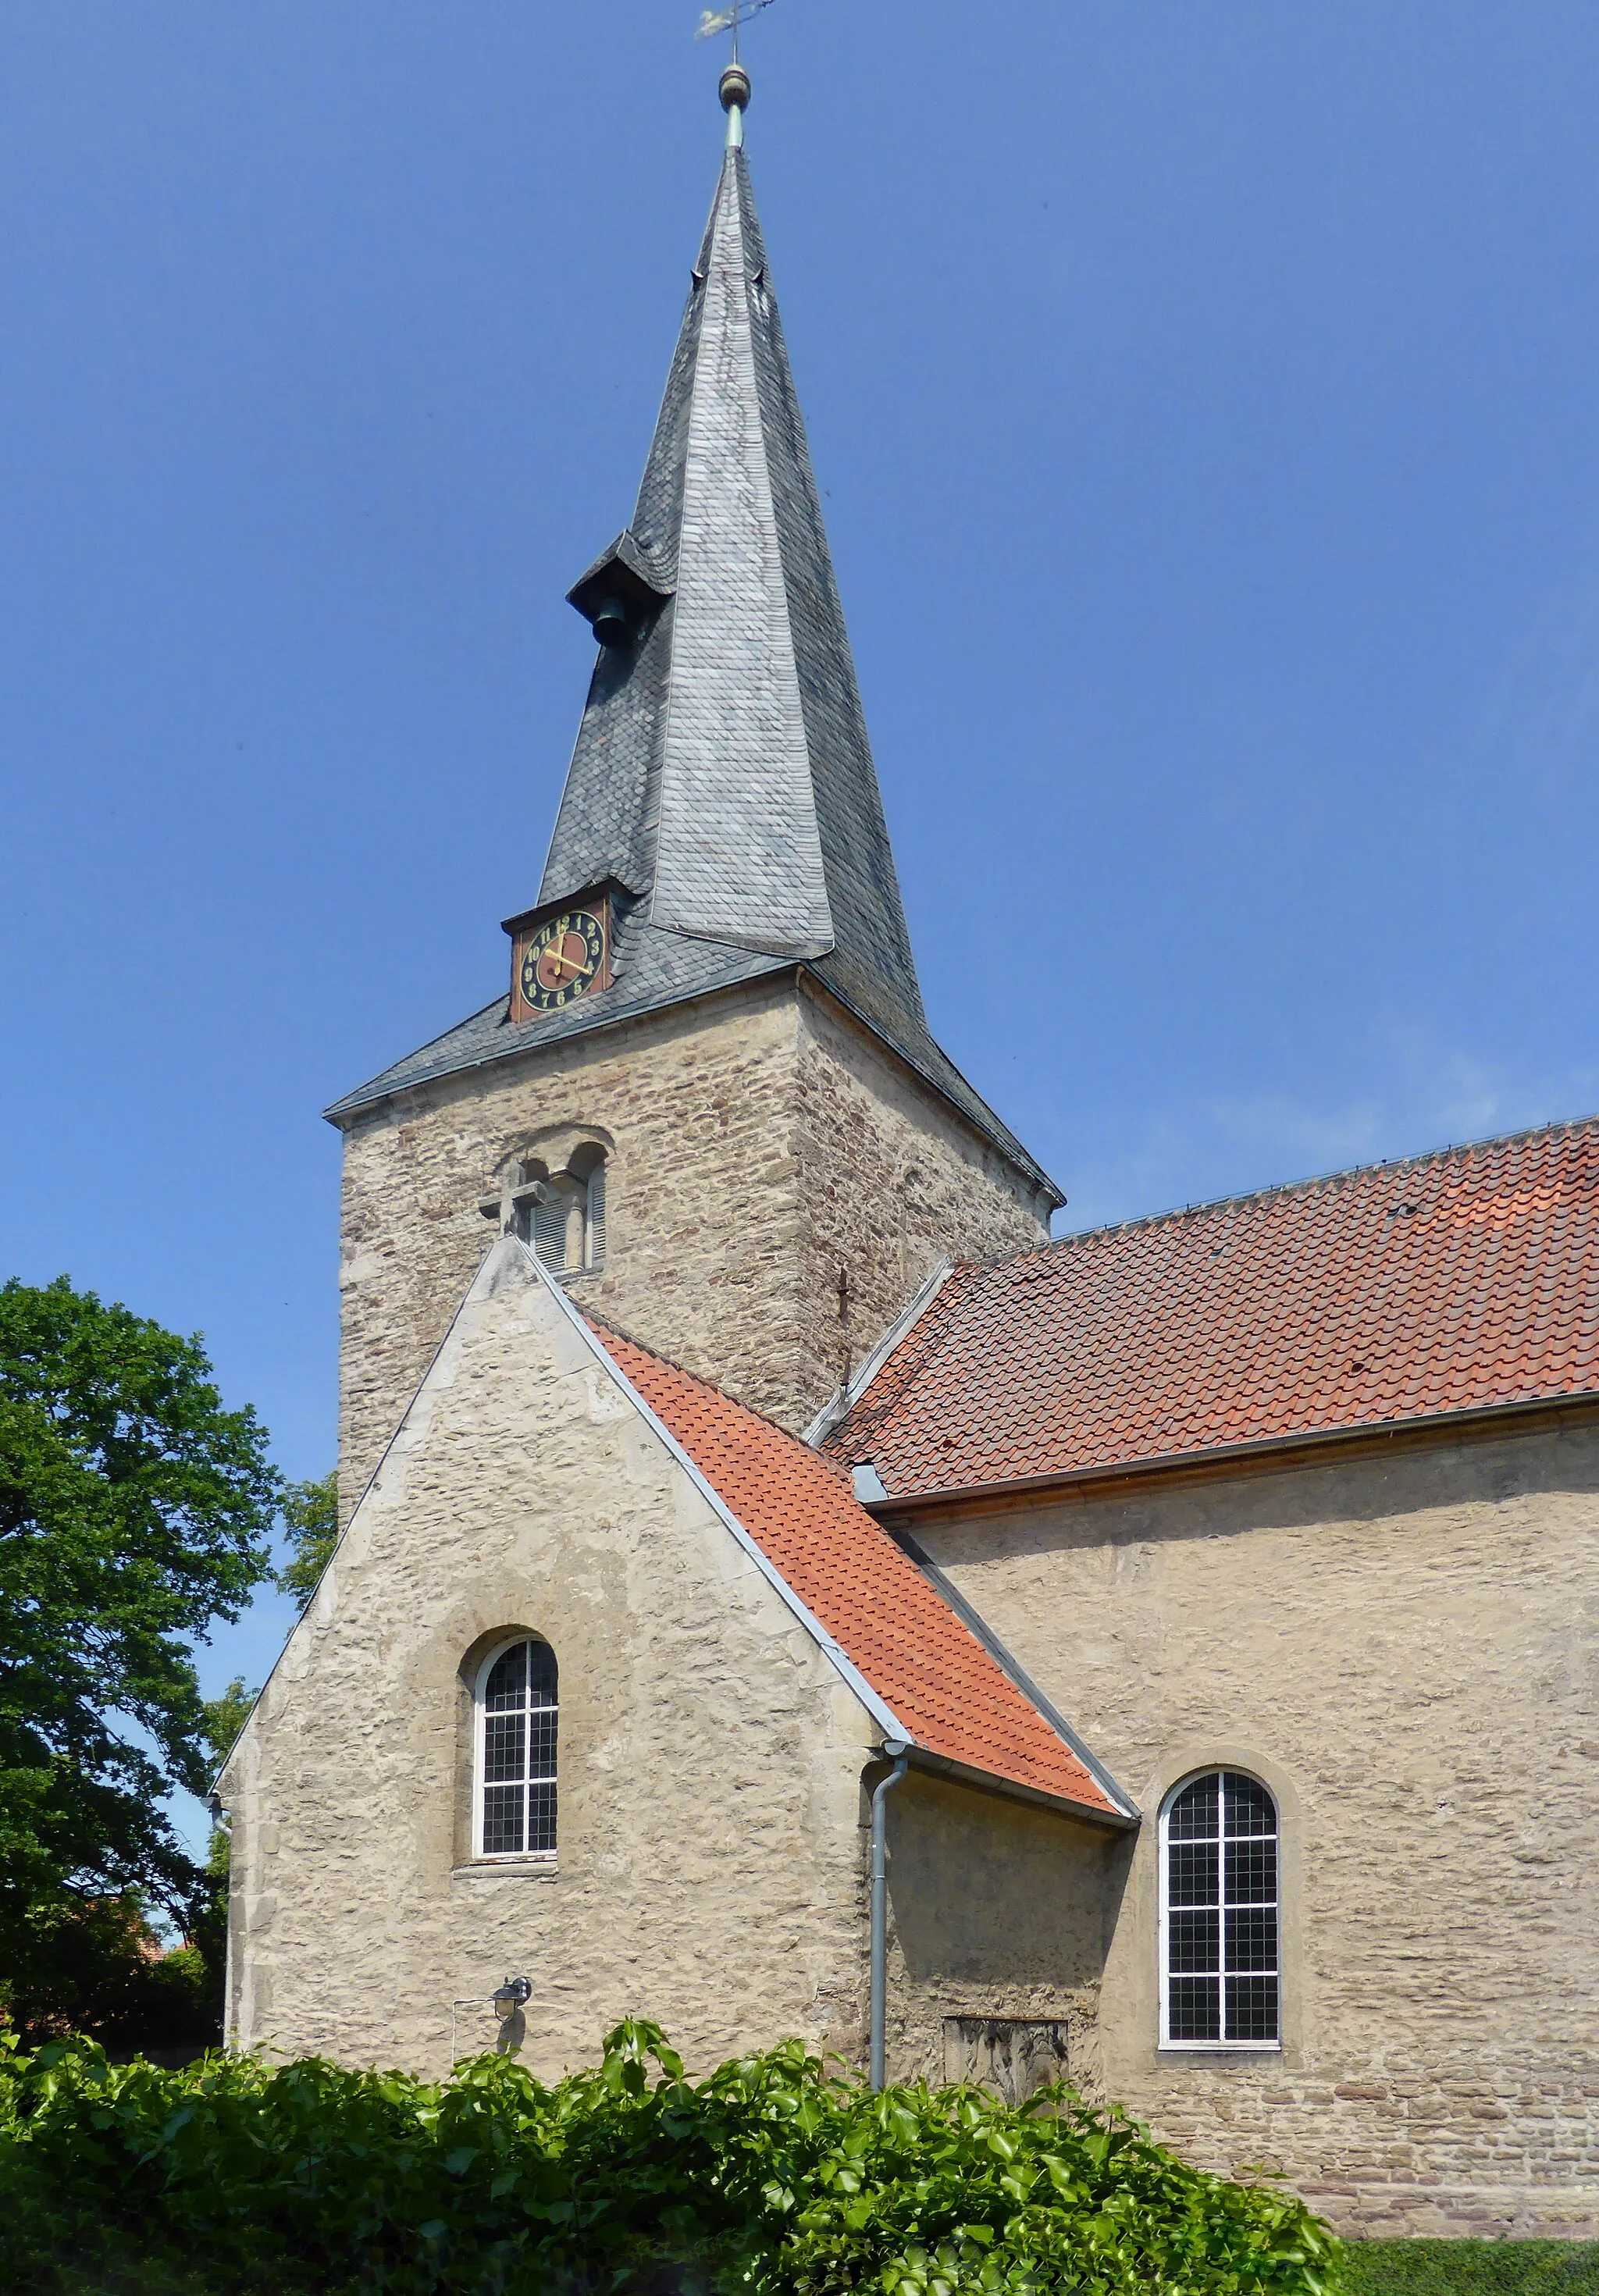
(1430, 1097)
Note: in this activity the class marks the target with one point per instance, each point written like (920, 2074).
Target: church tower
(710, 1100)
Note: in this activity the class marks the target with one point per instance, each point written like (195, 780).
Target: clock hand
(565, 963)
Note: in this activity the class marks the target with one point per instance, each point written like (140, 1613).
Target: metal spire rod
(735, 79)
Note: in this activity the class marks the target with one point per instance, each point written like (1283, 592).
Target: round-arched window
(517, 1715)
(1220, 1984)
(559, 1215)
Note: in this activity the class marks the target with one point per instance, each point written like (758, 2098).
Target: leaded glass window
(1219, 1915)
(518, 1712)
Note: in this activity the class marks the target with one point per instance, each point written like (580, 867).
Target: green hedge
(769, 2178)
(1473, 2268)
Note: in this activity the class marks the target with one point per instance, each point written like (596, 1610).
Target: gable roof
(947, 1690)
(1462, 1281)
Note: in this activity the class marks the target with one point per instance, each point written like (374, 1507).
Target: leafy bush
(768, 2178)
(98, 1967)
(1474, 2267)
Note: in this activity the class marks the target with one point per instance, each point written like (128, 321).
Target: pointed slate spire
(722, 769)
(738, 853)
(722, 775)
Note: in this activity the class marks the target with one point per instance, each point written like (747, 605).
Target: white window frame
(1220, 1771)
(480, 1700)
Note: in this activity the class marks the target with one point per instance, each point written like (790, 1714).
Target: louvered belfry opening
(560, 1215)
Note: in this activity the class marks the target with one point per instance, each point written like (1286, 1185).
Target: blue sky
(1203, 397)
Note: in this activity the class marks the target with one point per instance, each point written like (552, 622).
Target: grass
(1471, 2267)
(1375, 2267)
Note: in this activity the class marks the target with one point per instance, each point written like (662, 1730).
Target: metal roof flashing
(1087, 1813)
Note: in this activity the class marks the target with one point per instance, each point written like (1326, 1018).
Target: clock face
(563, 958)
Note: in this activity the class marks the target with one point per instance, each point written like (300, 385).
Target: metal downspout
(898, 1753)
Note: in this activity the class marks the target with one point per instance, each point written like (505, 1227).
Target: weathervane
(713, 20)
(735, 79)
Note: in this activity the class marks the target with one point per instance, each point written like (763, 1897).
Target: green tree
(202, 1959)
(311, 1517)
(135, 1510)
(224, 1717)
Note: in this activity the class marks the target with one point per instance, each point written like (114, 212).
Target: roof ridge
(1290, 1187)
(1216, 1329)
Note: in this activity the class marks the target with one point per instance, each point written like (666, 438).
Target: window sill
(487, 1869)
(1220, 2048)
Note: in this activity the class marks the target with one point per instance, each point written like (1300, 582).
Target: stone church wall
(893, 1183)
(1404, 1648)
(711, 1870)
(758, 1148)
(998, 1914)
(701, 1205)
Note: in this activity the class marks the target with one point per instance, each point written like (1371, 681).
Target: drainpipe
(897, 1752)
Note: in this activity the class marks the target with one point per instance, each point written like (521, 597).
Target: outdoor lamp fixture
(508, 1998)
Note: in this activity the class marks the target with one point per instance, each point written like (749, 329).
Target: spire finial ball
(734, 88)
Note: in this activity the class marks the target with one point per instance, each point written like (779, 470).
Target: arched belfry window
(517, 1714)
(1219, 1971)
(560, 1215)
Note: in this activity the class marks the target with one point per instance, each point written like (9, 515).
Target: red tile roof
(949, 1693)
(1450, 1283)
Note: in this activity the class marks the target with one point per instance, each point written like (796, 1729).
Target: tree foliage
(223, 1719)
(768, 2178)
(311, 1519)
(135, 1510)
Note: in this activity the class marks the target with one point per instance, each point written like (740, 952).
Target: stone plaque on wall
(1011, 2056)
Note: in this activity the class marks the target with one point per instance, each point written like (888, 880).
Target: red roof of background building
(949, 1692)
(1451, 1282)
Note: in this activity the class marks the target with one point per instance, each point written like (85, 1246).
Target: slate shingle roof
(722, 765)
(949, 1692)
(1455, 1282)
(722, 771)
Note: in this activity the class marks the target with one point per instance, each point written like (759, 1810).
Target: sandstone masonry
(710, 1869)
(778, 1185)
(1403, 1648)
(713, 1822)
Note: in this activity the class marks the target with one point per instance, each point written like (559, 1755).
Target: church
(782, 1592)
